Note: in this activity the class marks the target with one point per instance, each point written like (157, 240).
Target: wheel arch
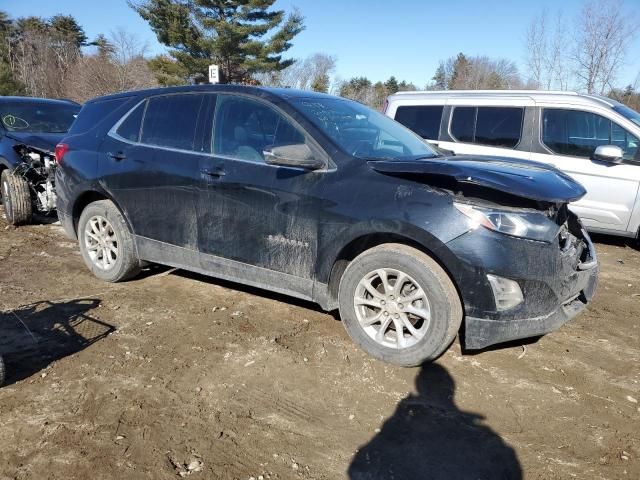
(431, 247)
(91, 196)
(4, 163)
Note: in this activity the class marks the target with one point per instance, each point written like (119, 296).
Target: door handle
(209, 173)
(117, 155)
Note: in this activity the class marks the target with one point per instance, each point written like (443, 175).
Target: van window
(492, 126)
(244, 128)
(171, 120)
(463, 123)
(578, 133)
(129, 129)
(499, 126)
(629, 144)
(422, 119)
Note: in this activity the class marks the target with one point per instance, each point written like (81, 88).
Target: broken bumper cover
(556, 284)
(483, 332)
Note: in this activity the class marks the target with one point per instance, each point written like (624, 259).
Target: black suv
(324, 199)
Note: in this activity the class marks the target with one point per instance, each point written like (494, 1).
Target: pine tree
(243, 37)
(9, 85)
(104, 46)
(459, 73)
(392, 85)
(320, 83)
(68, 29)
(440, 78)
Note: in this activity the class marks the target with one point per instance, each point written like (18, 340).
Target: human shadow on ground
(428, 437)
(32, 336)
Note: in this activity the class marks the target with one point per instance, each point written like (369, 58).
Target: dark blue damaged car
(324, 199)
(30, 128)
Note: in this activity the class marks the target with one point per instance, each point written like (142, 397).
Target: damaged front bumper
(483, 332)
(557, 281)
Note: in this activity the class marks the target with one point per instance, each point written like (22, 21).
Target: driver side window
(629, 144)
(244, 128)
(578, 133)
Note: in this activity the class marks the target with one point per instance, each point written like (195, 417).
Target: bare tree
(118, 65)
(557, 62)
(303, 74)
(546, 52)
(42, 62)
(537, 49)
(603, 35)
(129, 62)
(474, 73)
(41, 53)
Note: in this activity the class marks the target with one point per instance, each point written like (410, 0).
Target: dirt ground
(174, 374)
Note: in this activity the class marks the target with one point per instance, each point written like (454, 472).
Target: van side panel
(611, 203)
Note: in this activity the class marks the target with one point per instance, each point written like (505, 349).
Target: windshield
(361, 131)
(628, 113)
(38, 117)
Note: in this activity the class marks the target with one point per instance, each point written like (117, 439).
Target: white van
(593, 139)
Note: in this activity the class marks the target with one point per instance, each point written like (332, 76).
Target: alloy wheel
(101, 242)
(392, 308)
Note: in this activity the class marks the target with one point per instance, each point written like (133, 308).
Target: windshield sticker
(13, 122)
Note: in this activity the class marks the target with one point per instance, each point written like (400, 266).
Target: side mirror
(297, 155)
(608, 153)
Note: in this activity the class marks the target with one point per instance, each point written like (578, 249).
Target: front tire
(16, 198)
(399, 305)
(106, 243)
(2, 371)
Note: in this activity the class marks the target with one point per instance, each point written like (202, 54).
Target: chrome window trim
(329, 164)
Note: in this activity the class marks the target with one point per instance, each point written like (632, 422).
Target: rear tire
(106, 243)
(424, 306)
(16, 198)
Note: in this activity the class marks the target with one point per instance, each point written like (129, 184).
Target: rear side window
(94, 112)
(500, 127)
(171, 121)
(129, 129)
(492, 126)
(422, 119)
(578, 133)
(463, 123)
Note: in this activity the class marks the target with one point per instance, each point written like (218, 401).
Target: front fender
(384, 231)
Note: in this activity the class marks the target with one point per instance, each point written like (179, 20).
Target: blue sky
(374, 38)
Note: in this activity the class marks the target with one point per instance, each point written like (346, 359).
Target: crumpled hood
(522, 178)
(42, 141)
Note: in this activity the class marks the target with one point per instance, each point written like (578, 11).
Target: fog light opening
(507, 293)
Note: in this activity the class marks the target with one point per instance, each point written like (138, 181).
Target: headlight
(531, 225)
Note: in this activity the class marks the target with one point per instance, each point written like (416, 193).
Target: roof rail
(508, 92)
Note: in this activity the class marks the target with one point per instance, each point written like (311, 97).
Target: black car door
(150, 165)
(259, 214)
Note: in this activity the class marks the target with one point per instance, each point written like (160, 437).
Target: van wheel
(399, 305)
(16, 198)
(2, 371)
(106, 243)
